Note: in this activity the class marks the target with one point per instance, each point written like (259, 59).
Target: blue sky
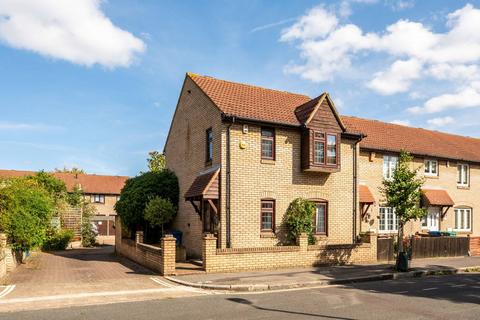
(94, 84)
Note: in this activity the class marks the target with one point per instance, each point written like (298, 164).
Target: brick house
(450, 165)
(242, 153)
(101, 190)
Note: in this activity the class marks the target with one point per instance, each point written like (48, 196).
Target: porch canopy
(204, 187)
(366, 196)
(436, 198)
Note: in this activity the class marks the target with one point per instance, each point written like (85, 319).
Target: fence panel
(385, 249)
(439, 247)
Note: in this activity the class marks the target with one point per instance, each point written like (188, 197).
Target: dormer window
(331, 149)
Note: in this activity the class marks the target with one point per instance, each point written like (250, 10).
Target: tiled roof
(256, 103)
(365, 195)
(202, 183)
(437, 198)
(251, 102)
(393, 137)
(90, 183)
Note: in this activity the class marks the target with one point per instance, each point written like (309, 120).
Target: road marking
(7, 290)
(428, 289)
(183, 288)
(88, 295)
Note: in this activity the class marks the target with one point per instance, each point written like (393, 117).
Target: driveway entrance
(84, 276)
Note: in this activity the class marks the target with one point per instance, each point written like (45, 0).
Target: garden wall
(475, 246)
(303, 255)
(160, 259)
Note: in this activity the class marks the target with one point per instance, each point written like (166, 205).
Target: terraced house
(243, 153)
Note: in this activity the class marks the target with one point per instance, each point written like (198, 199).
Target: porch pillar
(139, 237)
(168, 255)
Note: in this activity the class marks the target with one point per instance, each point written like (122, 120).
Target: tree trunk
(402, 259)
(400, 238)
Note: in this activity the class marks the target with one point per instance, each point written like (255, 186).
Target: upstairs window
(319, 148)
(267, 216)
(331, 149)
(209, 145)
(431, 168)
(268, 143)
(97, 198)
(324, 148)
(462, 219)
(389, 166)
(463, 175)
(321, 218)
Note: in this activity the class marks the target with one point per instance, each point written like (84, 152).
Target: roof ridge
(194, 75)
(419, 128)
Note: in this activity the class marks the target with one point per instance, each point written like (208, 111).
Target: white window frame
(383, 215)
(97, 198)
(389, 164)
(429, 168)
(463, 217)
(463, 175)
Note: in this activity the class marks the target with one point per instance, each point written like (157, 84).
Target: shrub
(138, 191)
(25, 213)
(88, 234)
(57, 240)
(159, 211)
(299, 219)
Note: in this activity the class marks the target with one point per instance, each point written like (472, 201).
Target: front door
(432, 220)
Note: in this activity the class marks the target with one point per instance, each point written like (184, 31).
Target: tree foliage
(25, 212)
(156, 161)
(403, 193)
(159, 211)
(299, 219)
(138, 191)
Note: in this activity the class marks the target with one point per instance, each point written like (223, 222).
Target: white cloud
(396, 79)
(328, 47)
(18, 126)
(468, 97)
(76, 31)
(401, 122)
(399, 5)
(440, 122)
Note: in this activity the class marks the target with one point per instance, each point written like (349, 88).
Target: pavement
(320, 276)
(82, 276)
(436, 297)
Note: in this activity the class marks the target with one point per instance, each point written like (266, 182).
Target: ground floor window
(463, 219)
(388, 221)
(321, 218)
(267, 215)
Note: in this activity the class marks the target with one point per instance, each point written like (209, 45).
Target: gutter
(355, 189)
(228, 183)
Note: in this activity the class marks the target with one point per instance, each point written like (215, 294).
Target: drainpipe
(228, 183)
(355, 183)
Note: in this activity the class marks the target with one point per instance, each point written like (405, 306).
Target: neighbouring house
(450, 165)
(101, 190)
(242, 153)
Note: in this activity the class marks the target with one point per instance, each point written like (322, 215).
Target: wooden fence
(426, 247)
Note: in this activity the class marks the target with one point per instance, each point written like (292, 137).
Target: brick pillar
(209, 250)
(118, 234)
(3, 241)
(373, 245)
(168, 255)
(303, 242)
(139, 237)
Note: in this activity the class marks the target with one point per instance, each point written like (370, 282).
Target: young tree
(299, 219)
(73, 170)
(403, 193)
(159, 211)
(156, 161)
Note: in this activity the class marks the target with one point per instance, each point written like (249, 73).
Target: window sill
(387, 232)
(431, 176)
(463, 187)
(267, 161)
(462, 231)
(267, 234)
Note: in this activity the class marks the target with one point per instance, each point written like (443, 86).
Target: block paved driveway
(83, 276)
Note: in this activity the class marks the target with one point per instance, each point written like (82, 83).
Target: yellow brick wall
(253, 179)
(371, 174)
(107, 208)
(185, 155)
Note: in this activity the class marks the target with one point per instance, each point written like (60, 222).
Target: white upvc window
(388, 221)
(431, 168)
(97, 198)
(463, 175)
(389, 165)
(463, 218)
